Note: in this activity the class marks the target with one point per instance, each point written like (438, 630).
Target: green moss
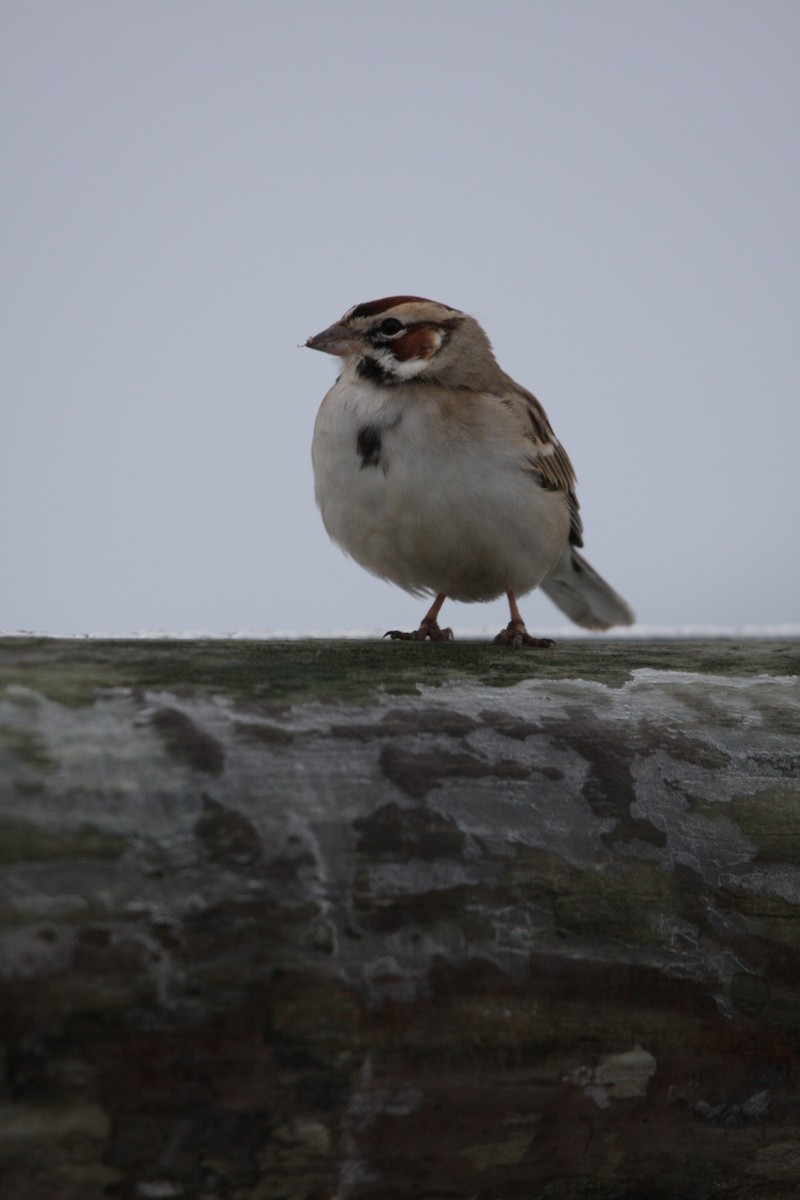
(227, 837)
(618, 900)
(768, 917)
(186, 743)
(27, 747)
(73, 671)
(769, 818)
(23, 841)
(28, 788)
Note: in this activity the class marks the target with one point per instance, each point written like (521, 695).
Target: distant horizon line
(640, 632)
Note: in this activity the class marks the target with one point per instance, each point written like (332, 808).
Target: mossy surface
(390, 921)
(22, 840)
(71, 670)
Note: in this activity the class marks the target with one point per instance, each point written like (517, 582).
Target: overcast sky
(192, 187)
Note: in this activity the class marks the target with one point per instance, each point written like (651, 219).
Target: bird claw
(515, 635)
(428, 629)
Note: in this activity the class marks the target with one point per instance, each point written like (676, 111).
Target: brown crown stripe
(373, 307)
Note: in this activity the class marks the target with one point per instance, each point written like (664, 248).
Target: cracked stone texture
(350, 921)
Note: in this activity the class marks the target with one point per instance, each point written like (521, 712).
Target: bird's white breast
(446, 504)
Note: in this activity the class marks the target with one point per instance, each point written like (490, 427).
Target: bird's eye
(390, 326)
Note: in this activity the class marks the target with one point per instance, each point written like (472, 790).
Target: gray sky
(191, 188)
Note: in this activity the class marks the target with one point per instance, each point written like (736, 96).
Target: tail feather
(579, 591)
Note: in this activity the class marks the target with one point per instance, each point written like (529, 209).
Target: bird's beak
(336, 339)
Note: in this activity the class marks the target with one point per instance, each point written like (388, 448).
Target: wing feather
(548, 458)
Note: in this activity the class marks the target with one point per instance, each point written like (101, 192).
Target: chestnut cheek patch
(420, 342)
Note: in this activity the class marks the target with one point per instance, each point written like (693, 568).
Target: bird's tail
(588, 600)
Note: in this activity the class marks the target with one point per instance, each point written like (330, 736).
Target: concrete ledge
(351, 920)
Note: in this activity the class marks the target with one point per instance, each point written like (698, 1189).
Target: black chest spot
(369, 445)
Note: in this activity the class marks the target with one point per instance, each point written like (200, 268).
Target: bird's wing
(547, 457)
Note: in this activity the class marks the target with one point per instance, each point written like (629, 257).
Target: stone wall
(353, 921)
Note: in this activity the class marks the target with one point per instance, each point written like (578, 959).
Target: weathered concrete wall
(353, 921)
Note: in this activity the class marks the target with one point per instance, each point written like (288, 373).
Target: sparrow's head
(402, 338)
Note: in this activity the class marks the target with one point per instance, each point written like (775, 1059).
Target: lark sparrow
(438, 472)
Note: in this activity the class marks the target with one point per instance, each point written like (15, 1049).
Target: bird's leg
(428, 628)
(515, 634)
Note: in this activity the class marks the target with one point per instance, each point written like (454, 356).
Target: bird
(436, 471)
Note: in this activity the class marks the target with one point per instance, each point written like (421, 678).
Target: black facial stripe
(371, 369)
(379, 337)
(369, 445)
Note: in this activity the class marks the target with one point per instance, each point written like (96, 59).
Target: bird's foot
(427, 629)
(516, 635)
